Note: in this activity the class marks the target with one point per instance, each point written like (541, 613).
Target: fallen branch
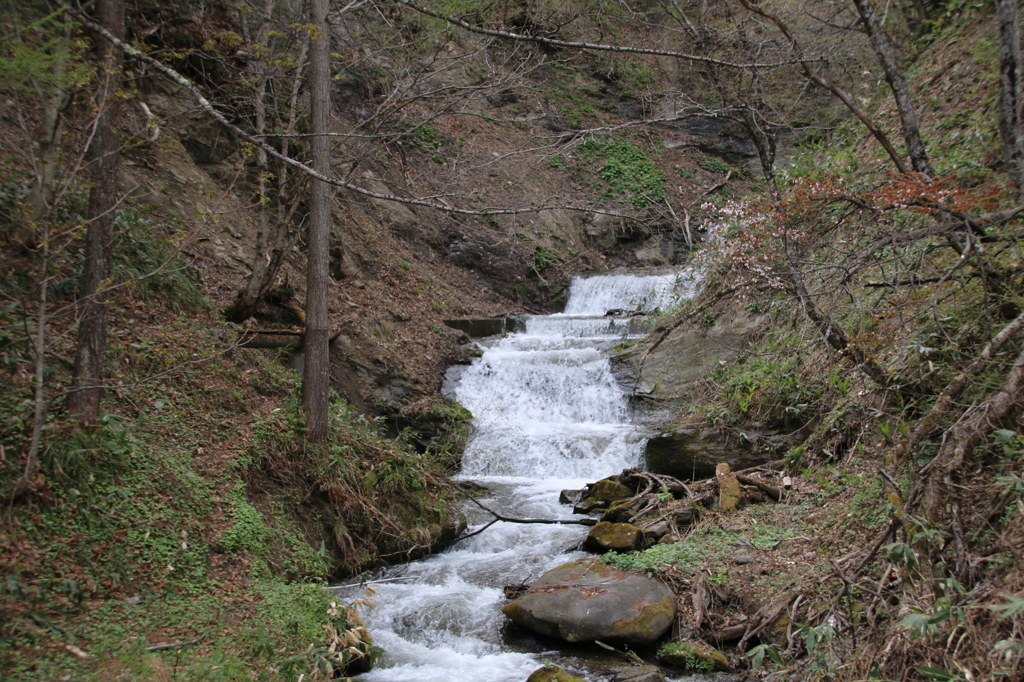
(712, 189)
(176, 645)
(767, 617)
(968, 433)
(509, 519)
(927, 426)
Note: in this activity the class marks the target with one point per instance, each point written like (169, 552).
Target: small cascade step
(548, 415)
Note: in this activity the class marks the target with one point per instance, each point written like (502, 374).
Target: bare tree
(898, 84)
(84, 400)
(315, 376)
(275, 207)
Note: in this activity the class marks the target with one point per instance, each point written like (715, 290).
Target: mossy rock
(730, 494)
(552, 673)
(609, 490)
(620, 512)
(602, 494)
(694, 655)
(621, 537)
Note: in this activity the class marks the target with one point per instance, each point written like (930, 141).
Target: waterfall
(547, 415)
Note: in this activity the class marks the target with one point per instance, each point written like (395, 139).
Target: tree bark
(315, 370)
(901, 93)
(39, 406)
(84, 400)
(1008, 17)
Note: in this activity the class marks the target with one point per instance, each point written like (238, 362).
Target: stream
(548, 414)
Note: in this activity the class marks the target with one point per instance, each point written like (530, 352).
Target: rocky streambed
(550, 417)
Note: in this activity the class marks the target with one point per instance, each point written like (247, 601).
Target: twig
(161, 647)
(893, 524)
(628, 655)
(961, 549)
(892, 481)
(712, 189)
(508, 519)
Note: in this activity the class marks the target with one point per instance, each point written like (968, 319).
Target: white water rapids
(547, 415)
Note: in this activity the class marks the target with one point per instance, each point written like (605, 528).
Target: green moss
(552, 673)
(713, 164)
(693, 656)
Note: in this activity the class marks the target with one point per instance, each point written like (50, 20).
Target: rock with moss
(621, 537)
(622, 511)
(730, 494)
(601, 495)
(641, 673)
(552, 673)
(587, 600)
(694, 656)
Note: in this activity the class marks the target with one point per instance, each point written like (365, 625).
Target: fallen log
(770, 491)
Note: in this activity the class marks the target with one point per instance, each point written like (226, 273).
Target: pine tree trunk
(84, 400)
(316, 370)
(1009, 89)
(894, 77)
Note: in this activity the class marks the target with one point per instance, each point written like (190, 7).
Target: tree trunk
(84, 400)
(894, 77)
(1009, 89)
(39, 405)
(315, 371)
(268, 233)
(763, 135)
(51, 127)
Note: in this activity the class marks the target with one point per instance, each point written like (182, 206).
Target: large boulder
(587, 600)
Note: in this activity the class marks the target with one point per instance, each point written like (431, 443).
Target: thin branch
(133, 52)
(600, 47)
(507, 519)
(176, 645)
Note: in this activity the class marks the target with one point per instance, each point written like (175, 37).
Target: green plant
(757, 654)
(689, 654)
(425, 136)
(713, 164)
(626, 170)
(543, 258)
(249, 533)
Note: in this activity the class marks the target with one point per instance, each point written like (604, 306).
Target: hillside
(858, 325)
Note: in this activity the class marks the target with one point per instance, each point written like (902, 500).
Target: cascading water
(548, 415)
